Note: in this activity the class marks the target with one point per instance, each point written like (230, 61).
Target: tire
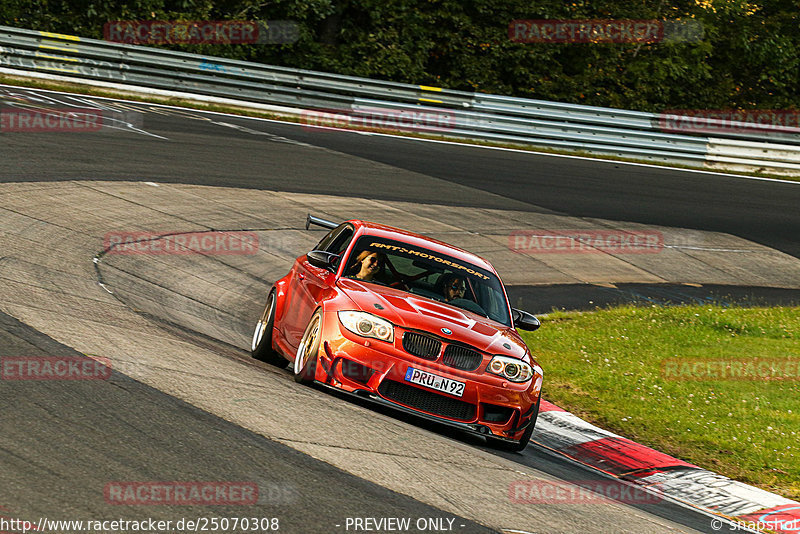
(261, 346)
(526, 436)
(305, 363)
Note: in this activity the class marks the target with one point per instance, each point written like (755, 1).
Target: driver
(368, 265)
(452, 286)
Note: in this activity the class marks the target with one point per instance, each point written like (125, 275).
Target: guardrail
(501, 119)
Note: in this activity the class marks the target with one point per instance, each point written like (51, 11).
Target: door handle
(301, 276)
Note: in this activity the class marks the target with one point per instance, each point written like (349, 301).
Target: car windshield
(429, 274)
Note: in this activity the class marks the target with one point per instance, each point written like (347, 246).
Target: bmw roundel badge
(446, 331)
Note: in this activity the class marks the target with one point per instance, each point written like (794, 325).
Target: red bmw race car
(409, 322)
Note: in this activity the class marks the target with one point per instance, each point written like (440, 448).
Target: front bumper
(376, 370)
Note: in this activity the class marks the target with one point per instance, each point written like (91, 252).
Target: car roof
(412, 238)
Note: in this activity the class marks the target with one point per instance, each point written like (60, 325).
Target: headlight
(510, 369)
(367, 325)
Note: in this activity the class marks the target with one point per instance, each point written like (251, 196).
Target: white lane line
(708, 249)
(107, 120)
(101, 284)
(272, 137)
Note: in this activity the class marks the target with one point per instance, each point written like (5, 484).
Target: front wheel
(305, 363)
(261, 346)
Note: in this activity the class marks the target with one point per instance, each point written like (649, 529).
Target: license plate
(432, 381)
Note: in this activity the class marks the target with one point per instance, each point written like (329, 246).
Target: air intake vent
(496, 414)
(427, 401)
(355, 371)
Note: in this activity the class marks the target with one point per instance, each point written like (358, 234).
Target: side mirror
(322, 259)
(524, 320)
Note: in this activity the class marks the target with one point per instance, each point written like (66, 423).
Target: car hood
(418, 313)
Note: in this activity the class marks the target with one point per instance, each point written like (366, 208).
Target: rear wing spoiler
(310, 219)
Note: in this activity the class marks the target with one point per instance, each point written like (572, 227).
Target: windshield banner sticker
(428, 256)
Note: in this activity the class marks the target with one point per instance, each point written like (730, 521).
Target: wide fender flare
(330, 329)
(281, 289)
(330, 320)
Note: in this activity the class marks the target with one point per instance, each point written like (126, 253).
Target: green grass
(606, 366)
(68, 87)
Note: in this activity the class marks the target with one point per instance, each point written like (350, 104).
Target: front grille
(462, 358)
(427, 401)
(422, 346)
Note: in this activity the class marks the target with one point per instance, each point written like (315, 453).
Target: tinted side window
(326, 241)
(337, 239)
(340, 242)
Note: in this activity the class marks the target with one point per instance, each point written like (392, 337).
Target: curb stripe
(565, 433)
(784, 518)
(549, 407)
(621, 456)
(715, 492)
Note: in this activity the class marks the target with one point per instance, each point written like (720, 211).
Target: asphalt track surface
(764, 212)
(60, 427)
(249, 153)
(62, 441)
